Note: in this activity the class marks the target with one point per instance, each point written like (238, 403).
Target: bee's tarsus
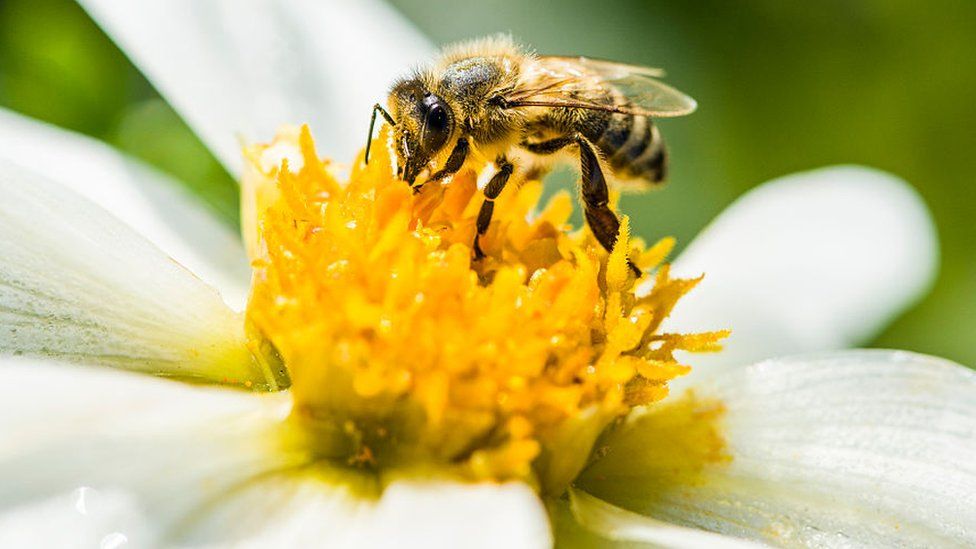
(484, 216)
(478, 254)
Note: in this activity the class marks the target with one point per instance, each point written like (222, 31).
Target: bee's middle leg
(596, 197)
(492, 190)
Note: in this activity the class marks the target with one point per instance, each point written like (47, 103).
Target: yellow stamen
(507, 367)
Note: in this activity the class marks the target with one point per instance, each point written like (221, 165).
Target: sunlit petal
(814, 261)
(77, 284)
(583, 521)
(241, 68)
(866, 448)
(87, 452)
(102, 454)
(303, 510)
(148, 201)
(415, 515)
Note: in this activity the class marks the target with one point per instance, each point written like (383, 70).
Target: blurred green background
(782, 87)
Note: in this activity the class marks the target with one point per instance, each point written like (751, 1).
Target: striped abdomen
(632, 145)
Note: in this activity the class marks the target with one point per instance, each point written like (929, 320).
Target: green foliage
(58, 66)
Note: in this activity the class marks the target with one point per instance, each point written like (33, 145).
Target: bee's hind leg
(551, 146)
(492, 190)
(596, 197)
(544, 148)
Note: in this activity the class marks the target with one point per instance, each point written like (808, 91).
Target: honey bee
(492, 99)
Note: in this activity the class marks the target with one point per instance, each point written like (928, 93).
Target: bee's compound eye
(437, 118)
(436, 130)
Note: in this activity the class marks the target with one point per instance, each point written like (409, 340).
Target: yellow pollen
(404, 351)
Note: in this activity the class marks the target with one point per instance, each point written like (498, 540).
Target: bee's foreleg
(596, 197)
(372, 121)
(453, 165)
(492, 190)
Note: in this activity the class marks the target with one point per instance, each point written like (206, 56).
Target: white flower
(831, 449)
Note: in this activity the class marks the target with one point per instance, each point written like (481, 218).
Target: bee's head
(424, 124)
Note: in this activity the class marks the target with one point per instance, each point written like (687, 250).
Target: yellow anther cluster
(405, 351)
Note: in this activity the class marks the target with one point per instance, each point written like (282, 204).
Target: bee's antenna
(369, 138)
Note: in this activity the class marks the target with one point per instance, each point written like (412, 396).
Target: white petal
(84, 517)
(145, 199)
(416, 515)
(302, 510)
(88, 453)
(243, 68)
(99, 453)
(815, 261)
(586, 521)
(857, 448)
(77, 284)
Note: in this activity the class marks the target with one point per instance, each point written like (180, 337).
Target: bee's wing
(610, 70)
(573, 81)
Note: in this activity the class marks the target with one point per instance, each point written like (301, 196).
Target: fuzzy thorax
(405, 352)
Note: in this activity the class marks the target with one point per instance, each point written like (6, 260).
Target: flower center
(405, 352)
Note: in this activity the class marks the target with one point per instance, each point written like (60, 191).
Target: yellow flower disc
(404, 351)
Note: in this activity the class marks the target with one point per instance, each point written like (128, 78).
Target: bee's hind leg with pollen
(596, 195)
(492, 190)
